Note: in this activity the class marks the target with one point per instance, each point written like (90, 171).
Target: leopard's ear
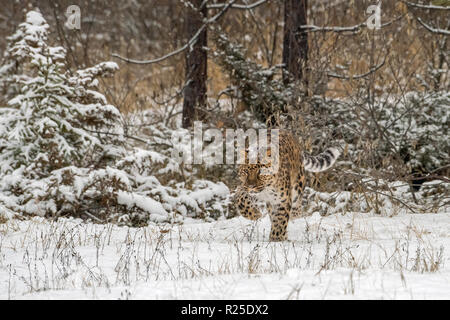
(242, 170)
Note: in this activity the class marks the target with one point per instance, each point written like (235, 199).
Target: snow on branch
(189, 44)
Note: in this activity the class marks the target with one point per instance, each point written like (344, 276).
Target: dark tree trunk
(295, 42)
(196, 63)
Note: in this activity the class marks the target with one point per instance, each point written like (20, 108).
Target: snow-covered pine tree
(62, 151)
(55, 120)
(29, 38)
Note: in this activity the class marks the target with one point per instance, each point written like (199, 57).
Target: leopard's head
(253, 178)
(256, 176)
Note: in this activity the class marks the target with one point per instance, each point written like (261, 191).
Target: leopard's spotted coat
(282, 190)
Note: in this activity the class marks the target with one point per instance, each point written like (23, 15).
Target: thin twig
(359, 76)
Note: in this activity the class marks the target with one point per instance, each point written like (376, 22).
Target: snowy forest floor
(351, 256)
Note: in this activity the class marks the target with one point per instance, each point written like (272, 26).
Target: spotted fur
(281, 191)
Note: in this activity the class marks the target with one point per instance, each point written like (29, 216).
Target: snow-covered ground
(352, 256)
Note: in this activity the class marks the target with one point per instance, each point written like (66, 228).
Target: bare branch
(352, 29)
(313, 28)
(423, 6)
(433, 30)
(238, 6)
(359, 76)
(191, 42)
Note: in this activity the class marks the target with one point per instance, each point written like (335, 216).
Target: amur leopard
(281, 191)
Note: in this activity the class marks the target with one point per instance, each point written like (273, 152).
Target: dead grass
(42, 255)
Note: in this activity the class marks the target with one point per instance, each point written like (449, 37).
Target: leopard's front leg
(280, 219)
(246, 204)
(280, 213)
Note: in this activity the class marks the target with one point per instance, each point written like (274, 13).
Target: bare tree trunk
(295, 42)
(196, 64)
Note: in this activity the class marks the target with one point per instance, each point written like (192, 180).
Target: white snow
(145, 203)
(352, 256)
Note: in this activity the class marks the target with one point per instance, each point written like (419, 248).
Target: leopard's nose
(251, 180)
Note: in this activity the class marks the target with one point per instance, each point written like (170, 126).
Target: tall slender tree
(196, 62)
(295, 42)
